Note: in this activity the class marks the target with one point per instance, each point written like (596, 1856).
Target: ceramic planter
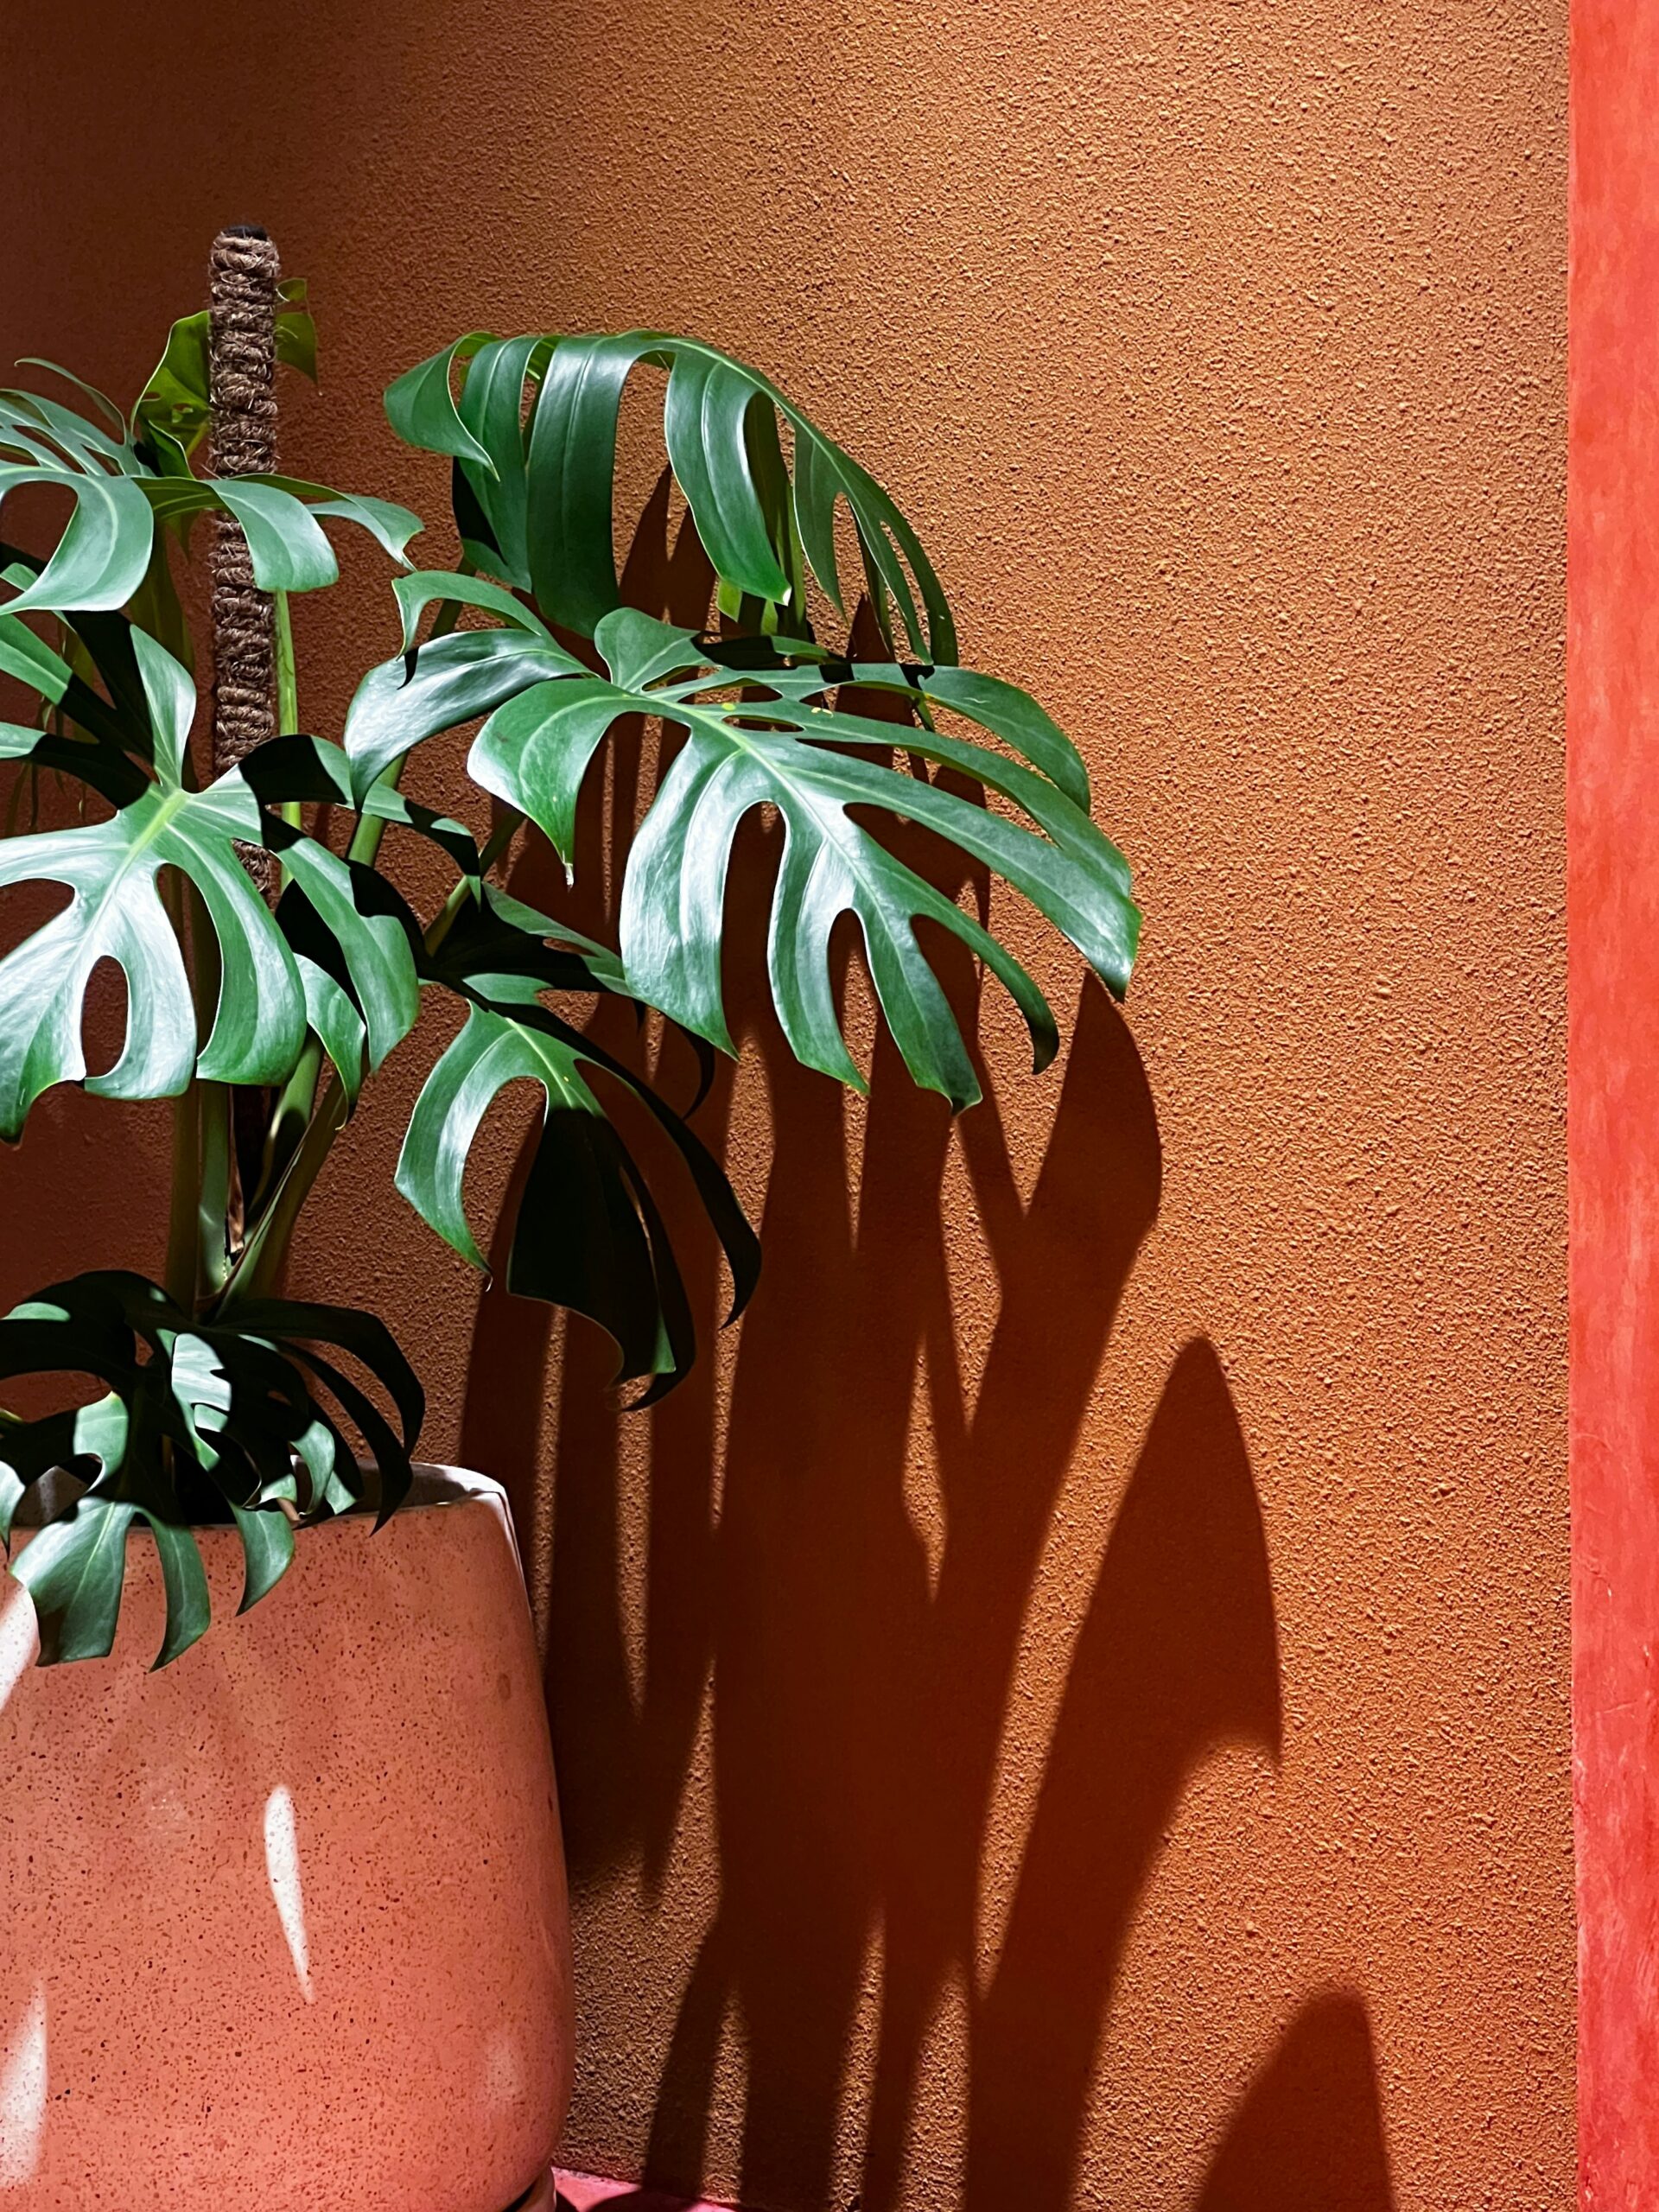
(285, 1924)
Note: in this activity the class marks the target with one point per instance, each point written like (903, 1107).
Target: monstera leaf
(449, 680)
(533, 438)
(116, 911)
(760, 731)
(104, 555)
(589, 1233)
(257, 1408)
(175, 407)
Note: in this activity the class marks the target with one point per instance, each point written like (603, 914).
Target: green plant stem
(263, 1255)
(214, 1199)
(499, 838)
(294, 1102)
(298, 1095)
(302, 1133)
(287, 690)
(292, 1111)
(216, 1152)
(200, 1193)
(288, 697)
(288, 1117)
(183, 1228)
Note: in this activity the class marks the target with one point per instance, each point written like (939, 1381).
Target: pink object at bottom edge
(584, 2193)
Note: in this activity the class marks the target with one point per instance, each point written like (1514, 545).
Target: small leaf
(185, 1581)
(74, 1569)
(267, 1550)
(296, 335)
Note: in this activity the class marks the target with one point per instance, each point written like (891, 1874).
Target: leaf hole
(104, 1016)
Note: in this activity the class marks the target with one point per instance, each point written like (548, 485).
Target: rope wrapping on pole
(244, 273)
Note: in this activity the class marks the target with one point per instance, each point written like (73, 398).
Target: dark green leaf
(454, 678)
(237, 1396)
(117, 912)
(589, 1234)
(267, 1549)
(185, 1581)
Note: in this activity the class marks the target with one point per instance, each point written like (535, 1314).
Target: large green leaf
(116, 911)
(125, 484)
(287, 547)
(588, 1233)
(35, 428)
(73, 1570)
(100, 643)
(254, 1404)
(532, 432)
(761, 731)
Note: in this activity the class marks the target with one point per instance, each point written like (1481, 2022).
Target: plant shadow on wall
(860, 1691)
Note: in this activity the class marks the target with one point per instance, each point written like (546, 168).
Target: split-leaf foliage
(209, 1396)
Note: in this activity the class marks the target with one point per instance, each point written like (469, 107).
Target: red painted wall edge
(1613, 1094)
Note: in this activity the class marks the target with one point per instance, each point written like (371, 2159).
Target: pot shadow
(862, 1649)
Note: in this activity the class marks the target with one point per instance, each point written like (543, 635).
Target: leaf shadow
(859, 1672)
(1308, 2136)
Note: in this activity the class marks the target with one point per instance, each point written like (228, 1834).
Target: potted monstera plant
(284, 1901)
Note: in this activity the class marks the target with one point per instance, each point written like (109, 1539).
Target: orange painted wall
(1073, 1709)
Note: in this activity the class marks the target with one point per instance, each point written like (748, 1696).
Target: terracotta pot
(284, 1925)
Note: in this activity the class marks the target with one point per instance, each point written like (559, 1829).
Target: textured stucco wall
(1075, 1709)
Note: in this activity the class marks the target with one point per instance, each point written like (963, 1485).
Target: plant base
(285, 1922)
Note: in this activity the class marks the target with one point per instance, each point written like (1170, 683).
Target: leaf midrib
(848, 839)
(167, 810)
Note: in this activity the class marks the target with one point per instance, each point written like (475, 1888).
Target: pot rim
(436, 1484)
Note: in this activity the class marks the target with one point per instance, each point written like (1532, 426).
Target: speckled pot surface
(285, 1925)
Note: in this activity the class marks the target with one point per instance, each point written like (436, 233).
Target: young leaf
(547, 494)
